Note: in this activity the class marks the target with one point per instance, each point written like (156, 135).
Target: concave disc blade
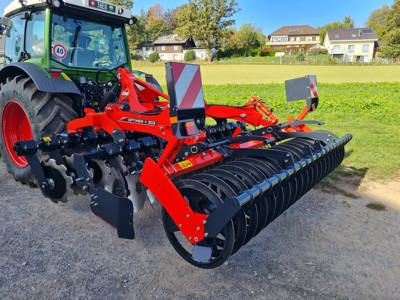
(213, 251)
(224, 191)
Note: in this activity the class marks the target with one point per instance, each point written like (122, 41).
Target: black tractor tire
(47, 113)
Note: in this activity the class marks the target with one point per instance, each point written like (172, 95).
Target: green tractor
(60, 56)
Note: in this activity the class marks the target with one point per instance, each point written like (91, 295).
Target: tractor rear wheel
(27, 113)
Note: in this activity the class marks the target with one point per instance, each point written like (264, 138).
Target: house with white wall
(352, 44)
(173, 48)
(294, 38)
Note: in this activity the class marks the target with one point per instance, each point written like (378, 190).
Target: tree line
(386, 23)
(209, 22)
(212, 22)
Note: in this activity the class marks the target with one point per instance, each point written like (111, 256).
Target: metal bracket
(116, 211)
(37, 168)
(322, 136)
(217, 220)
(302, 122)
(282, 157)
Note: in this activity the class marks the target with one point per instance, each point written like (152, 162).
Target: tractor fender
(42, 82)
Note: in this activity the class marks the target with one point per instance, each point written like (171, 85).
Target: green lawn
(368, 111)
(353, 99)
(258, 74)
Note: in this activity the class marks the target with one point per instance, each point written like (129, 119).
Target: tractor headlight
(55, 3)
(132, 21)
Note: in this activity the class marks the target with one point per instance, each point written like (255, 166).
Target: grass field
(368, 111)
(353, 99)
(258, 74)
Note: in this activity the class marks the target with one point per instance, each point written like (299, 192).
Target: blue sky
(271, 14)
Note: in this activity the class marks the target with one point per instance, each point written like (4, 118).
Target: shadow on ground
(344, 181)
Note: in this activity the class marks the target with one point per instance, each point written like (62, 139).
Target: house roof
(352, 34)
(169, 40)
(295, 30)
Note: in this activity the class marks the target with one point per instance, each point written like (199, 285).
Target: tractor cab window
(15, 38)
(79, 43)
(35, 32)
(34, 43)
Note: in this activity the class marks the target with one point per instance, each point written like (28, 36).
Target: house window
(314, 38)
(351, 48)
(163, 48)
(303, 39)
(365, 48)
(336, 48)
(280, 39)
(176, 48)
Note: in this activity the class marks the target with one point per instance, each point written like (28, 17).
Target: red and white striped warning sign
(313, 87)
(188, 86)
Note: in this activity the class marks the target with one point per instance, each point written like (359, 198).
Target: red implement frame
(149, 115)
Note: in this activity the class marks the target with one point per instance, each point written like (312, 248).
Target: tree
(137, 33)
(205, 20)
(347, 22)
(185, 19)
(156, 11)
(156, 24)
(392, 32)
(248, 37)
(156, 28)
(128, 4)
(150, 25)
(376, 20)
(169, 18)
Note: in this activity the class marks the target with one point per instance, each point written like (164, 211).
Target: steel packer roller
(216, 186)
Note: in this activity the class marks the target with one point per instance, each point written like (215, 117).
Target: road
(327, 246)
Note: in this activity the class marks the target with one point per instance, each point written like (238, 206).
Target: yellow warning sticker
(66, 77)
(46, 139)
(185, 164)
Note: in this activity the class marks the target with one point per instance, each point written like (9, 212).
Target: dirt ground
(329, 245)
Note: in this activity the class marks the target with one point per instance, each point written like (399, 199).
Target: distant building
(352, 44)
(294, 38)
(173, 48)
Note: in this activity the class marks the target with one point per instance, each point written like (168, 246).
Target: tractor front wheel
(27, 113)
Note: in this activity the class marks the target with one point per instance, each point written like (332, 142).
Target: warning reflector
(304, 88)
(185, 86)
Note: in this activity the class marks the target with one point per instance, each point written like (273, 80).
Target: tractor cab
(61, 56)
(77, 38)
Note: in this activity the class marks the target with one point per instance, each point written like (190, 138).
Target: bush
(190, 55)
(333, 60)
(136, 57)
(300, 56)
(154, 57)
(267, 52)
(255, 52)
(318, 51)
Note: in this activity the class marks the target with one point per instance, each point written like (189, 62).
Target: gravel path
(326, 246)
